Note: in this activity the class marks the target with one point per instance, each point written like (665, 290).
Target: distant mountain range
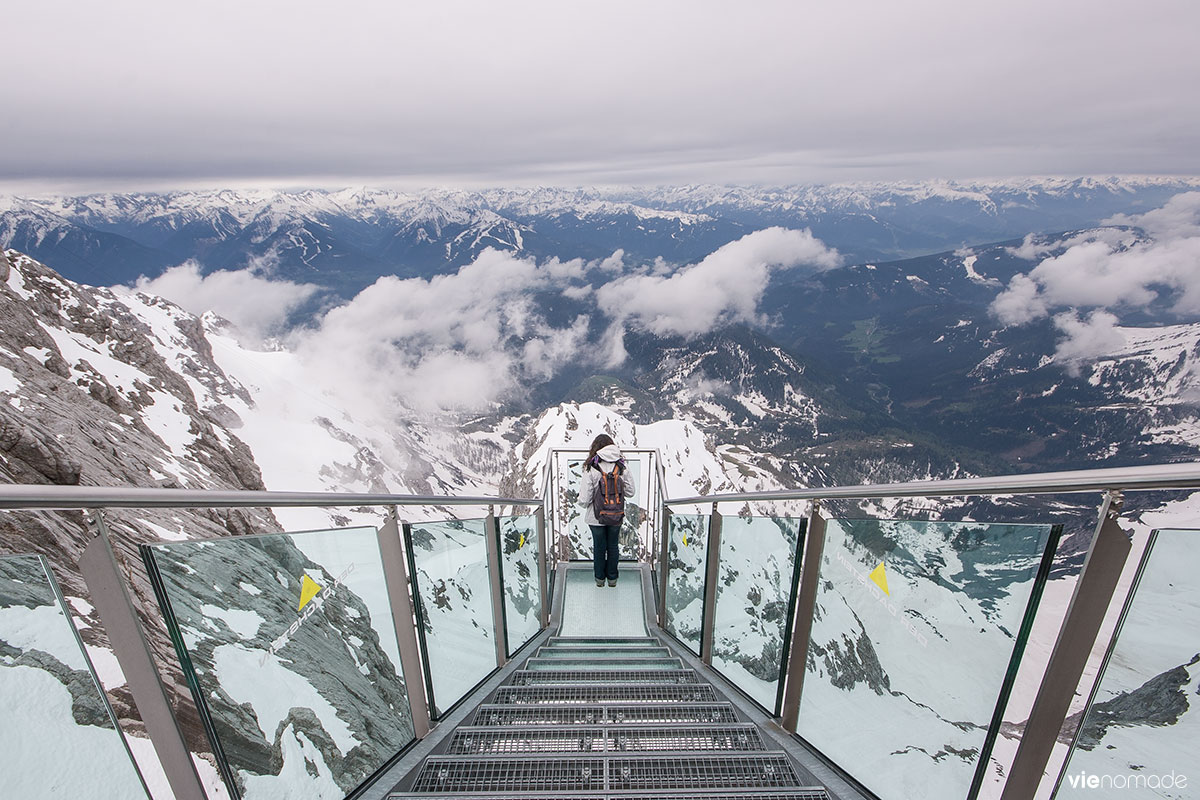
(344, 240)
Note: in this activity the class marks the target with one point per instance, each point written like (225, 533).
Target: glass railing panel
(755, 584)
(1141, 731)
(288, 644)
(519, 571)
(917, 633)
(686, 553)
(455, 607)
(579, 536)
(58, 734)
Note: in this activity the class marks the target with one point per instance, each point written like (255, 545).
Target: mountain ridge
(344, 239)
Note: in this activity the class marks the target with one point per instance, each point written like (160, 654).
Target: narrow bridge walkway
(603, 708)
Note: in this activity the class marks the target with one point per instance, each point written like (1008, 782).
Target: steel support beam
(549, 511)
(543, 582)
(399, 590)
(802, 618)
(663, 564)
(491, 531)
(712, 566)
(1093, 594)
(562, 516)
(660, 508)
(1156, 476)
(111, 600)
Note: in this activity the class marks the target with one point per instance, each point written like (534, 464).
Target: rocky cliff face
(1160, 701)
(91, 394)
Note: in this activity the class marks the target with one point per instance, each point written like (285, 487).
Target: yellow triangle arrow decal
(685, 540)
(879, 576)
(308, 590)
(521, 543)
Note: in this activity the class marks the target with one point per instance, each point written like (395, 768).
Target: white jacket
(609, 456)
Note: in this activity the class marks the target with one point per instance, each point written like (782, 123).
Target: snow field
(39, 726)
(39, 721)
(1158, 634)
(756, 561)
(943, 653)
(9, 382)
(453, 582)
(273, 691)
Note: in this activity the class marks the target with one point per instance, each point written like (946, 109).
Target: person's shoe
(612, 581)
(599, 582)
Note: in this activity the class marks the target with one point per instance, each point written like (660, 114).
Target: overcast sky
(129, 94)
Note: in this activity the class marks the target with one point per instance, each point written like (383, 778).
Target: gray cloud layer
(139, 92)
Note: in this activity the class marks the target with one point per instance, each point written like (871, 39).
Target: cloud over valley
(1143, 263)
(257, 303)
(463, 341)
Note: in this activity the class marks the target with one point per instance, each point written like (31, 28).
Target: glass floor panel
(590, 610)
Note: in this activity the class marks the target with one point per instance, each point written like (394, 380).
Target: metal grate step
(606, 693)
(472, 740)
(578, 677)
(799, 793)
(701, 772)
(683, 713)
(602, 652)
(443, 774)
(533, 773)
(493, 741)
(680, 713)
(600, 641)
(731, 738)
(501, 795)
(603, 663)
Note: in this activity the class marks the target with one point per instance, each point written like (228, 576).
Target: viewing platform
(779, 645)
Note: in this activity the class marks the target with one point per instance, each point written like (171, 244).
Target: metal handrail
(14, 496)
(1157, 476)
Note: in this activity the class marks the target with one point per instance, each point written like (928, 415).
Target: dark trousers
(606, 551)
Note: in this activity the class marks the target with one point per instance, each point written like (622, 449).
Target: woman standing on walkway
(603, 488)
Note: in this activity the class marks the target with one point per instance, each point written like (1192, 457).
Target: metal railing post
(712, 565)
(491, 530)
(802, 618)
(399, 591)
(646, 543)
(111, 599)
(543, 583)
(1085, 615)
(563, 515)
(660, 509)
(548, 509)
(663, 565)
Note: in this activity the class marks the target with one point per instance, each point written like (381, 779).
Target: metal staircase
(593, 718)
